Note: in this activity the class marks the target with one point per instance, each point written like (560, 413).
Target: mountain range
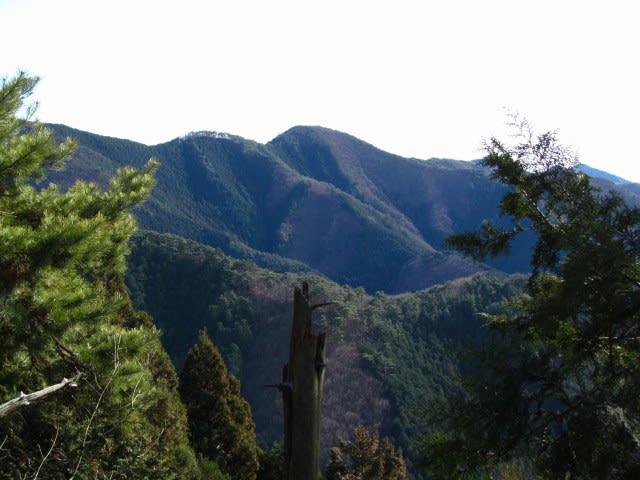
(233, 225)
(312, 199)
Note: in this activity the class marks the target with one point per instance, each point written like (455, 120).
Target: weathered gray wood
(302, 380)
(25, 399)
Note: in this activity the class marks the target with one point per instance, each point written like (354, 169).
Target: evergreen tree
(65, 313)
(220, 422)
(366, 457)
(271, 463)
(558, 382)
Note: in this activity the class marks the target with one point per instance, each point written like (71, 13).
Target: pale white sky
(416, 78)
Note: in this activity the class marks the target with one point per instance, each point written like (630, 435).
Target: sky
(416, 78)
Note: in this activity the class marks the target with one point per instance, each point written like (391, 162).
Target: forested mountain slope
(386, 355)
(311, 200)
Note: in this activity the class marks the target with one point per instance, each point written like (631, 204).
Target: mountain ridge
(255, 202)
(597, 173)
(312, 199)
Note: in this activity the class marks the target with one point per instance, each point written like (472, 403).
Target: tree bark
(25, 399)
(301, 389)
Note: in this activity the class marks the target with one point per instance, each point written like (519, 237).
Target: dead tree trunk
(301, 388)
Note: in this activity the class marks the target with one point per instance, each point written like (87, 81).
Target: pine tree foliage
(365, 457)
(558, 382)
(220, 423)
(65, 312)
(271, 463)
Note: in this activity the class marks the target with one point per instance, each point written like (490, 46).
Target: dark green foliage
(220, 424)
(210, 470)
(64, 311)
(365, 457)
(412, 343)
(271, 463)
(558, 382)
(185, 287)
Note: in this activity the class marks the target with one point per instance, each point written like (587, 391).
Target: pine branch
(25, 399)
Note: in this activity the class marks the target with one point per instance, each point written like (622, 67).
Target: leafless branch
(44, 459)
(25, 399)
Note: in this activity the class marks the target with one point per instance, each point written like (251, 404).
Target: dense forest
(387, 355)
(147, 352)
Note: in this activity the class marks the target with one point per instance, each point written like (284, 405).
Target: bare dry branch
(25, 399)
(44, 459)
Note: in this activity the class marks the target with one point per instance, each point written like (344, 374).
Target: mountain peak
(317, 133)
